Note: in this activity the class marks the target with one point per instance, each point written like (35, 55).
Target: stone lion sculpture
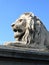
(30, 31)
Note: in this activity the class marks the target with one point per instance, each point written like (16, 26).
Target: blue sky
(10, 10)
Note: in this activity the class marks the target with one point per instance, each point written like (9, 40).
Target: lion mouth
(18, 33)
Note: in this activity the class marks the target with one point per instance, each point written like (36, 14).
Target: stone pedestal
(23, 56)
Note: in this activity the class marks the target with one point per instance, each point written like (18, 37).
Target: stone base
(10, 55)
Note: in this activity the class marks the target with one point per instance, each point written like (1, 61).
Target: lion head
(29, 29)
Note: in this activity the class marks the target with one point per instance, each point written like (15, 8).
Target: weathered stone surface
(10, 55)
(29, 31)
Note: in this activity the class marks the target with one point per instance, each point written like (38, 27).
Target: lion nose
(12, 24)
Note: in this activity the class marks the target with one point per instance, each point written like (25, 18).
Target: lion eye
(20, 20)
